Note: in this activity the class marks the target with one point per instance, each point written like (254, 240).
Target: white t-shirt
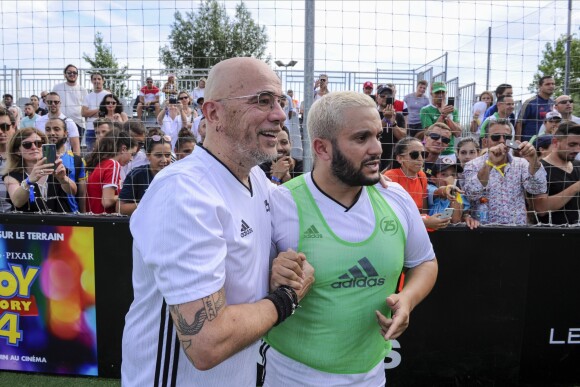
(197, 93)
(354, 225)
(71, 128)
(93, 101)
(171, 127)
(71, 100)
(196, 230)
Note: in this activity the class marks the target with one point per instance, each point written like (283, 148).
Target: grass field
(19, 379)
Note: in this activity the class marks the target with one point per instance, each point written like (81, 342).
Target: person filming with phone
(497, 181)
(442, 110)
(36, 181)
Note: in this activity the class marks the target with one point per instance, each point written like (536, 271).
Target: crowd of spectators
(503, 168)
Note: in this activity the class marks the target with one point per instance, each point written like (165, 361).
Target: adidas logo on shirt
(362, 275)
(312, 232)
(246, 230)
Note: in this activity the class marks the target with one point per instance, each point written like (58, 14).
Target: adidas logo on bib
(362, 275)
(312, 232)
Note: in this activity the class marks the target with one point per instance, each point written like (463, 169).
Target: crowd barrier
(505, 309)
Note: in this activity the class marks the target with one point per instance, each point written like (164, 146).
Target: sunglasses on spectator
(51, 102)
(72, 73)
(566, 102)
(436, 137)
(183, 97)
(110, 102)
(28, 144)
(415, 155)
(497, 137)
(5, 127)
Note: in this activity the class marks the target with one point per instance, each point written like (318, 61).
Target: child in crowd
(158, 151)
(443, 192)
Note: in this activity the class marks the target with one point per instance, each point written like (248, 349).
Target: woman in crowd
(104, 164)
(7, 130)
(32, 184)
(184, 144)
(187, 113)
(408, 160)
(112, 109)
(479, 108)
(284, 167)
(158, 150)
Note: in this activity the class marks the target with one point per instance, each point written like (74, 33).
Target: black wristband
(285, 300)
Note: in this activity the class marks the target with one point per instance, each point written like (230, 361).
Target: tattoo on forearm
(211, 307)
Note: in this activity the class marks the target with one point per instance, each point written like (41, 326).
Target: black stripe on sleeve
(160, 343)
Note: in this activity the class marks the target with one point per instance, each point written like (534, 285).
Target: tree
(202, 39)
(104, 62)
(554, 63)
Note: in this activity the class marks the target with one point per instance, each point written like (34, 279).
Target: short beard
(60, 143)
(346, 171)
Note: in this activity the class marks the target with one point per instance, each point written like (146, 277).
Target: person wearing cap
(199, 91)
(415, 102)
(551, 123)
(505, 108)
(564, 105)
(170, 87)
(439, 111)
(393, 124)
(499, 181)
(368, 88)
(148, 98)
(442, 192)
(544, 146)
(534, 110)
(561, 203)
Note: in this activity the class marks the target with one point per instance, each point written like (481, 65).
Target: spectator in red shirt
(104, 164)
(148, 99)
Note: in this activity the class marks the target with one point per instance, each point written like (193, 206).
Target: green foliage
(105, 63)
(554, 63)
(202, 39)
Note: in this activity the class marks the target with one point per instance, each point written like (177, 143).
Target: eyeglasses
(264, 99)
(323, 80)
(51, 102)
(415, 155)
(110, 102)
(72, 73)
(149, 81)
(5, 127)
(28, 144)
(183, 97)
(566, 102)
(436, 137)
(497, 137)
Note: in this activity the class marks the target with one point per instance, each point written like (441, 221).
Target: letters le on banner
(47, 299)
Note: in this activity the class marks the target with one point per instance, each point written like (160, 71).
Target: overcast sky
(350, 36)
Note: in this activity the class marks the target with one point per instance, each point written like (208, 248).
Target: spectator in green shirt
(440, 111)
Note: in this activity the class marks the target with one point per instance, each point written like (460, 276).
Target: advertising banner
(47, 299)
